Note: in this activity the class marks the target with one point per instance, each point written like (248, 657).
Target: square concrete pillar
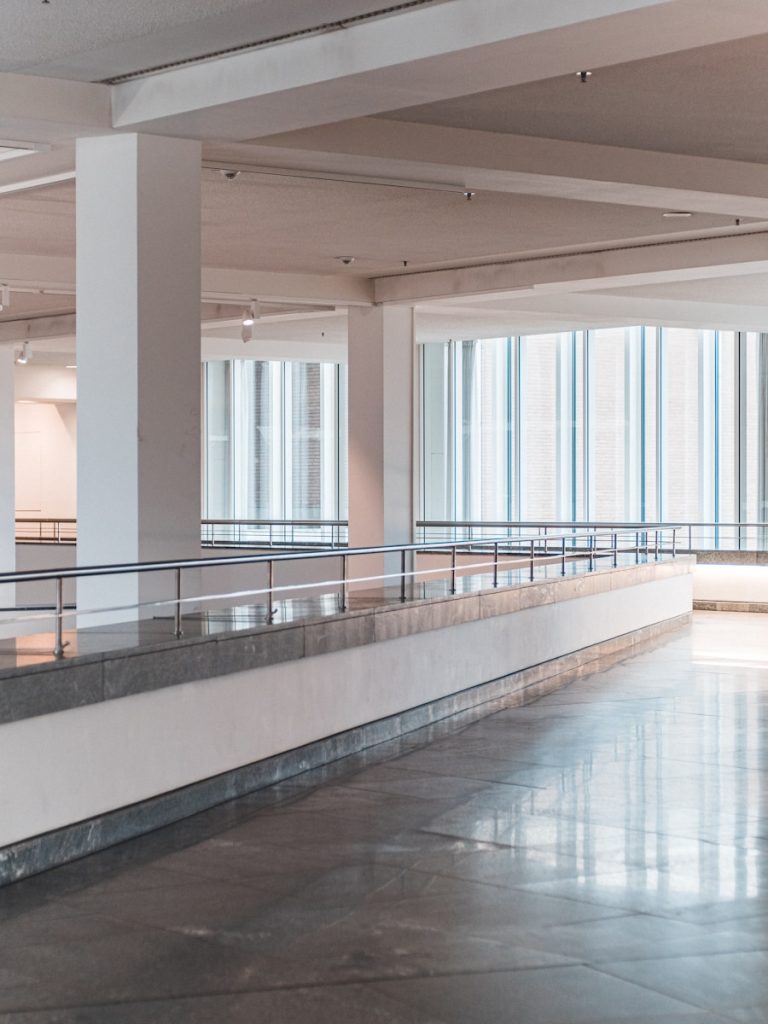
(381, 444)
(138, 355)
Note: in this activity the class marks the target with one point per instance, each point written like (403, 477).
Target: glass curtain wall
(275, 440)
(631, 424)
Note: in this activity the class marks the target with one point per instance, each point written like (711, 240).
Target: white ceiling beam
(32, 328)
(661, 262)
(522, 164)
(420, 56)
(37, 170)
(56, 275)
(50, 110)
(268, 286)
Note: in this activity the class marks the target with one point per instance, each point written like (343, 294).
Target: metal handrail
(734, 542)
(535, 553)
(63, 530)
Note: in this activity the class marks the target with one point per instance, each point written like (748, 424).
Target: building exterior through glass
(633, 424)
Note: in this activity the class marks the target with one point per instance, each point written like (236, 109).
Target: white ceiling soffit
(425, 55)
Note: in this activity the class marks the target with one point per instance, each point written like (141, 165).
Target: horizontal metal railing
(497, 553)
(291, 533)
(334, 533)
(692, 536)
(250, 533)
(36, 530)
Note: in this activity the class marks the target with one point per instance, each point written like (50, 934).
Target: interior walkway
(598, 856)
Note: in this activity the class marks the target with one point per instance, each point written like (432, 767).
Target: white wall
(72, 765)
(46, 459)
(739, 583)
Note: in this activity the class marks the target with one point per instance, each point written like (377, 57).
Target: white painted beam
(37, 327)
(499, 162)
(36, 109)
(37, 169)
(57, 274)
(717, 256)
(455, 48)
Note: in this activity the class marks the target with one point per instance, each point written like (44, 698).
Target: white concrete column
(138, 356)
(381, 354)
(7, 472)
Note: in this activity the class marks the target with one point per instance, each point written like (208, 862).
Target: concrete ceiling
(708, 101)
(90, 40)
(361, 142)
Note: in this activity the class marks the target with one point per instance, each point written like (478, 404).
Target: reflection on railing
(690, 536)
(501, 561)
(274, 533)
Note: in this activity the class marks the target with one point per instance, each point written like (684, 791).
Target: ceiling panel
(708, 101)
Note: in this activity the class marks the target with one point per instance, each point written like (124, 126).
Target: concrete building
(384, 189)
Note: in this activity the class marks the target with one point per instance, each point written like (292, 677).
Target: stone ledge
(31, 856)
(88, 679)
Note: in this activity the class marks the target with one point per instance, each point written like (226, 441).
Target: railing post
(532, 555)
(402, 575)
(562, 568)
(178, 632)
(615, 542)
(343, 594)
(690, 537)
(453, 569)
(270, 591)
(674, 542)
(496, 563)
(637, 547)
(656, 545)
(591, 552)
(59, 645)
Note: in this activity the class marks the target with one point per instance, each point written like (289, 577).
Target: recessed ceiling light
(346, 260)
(677, 213)
(71, 366)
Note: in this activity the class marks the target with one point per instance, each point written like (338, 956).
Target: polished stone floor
(598, 856)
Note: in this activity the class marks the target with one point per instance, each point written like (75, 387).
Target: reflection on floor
(599, 856)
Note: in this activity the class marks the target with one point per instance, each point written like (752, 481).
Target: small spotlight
(346, 260)
(584, 75)
(5, 297)
(24, 356)
(469, 195)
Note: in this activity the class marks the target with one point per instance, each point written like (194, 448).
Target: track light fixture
(250, 316)
(25, 355)
(5, 297)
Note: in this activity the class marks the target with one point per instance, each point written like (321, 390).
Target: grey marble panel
(338, 634)
(44, 693)
(153, 670)
(239, 652)
(731, 557)
(534, 594)
(391, 623)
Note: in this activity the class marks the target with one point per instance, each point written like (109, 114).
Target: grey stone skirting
(730, 606)
(53, 849)
(80, 680)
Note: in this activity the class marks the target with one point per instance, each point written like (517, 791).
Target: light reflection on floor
(598, 856)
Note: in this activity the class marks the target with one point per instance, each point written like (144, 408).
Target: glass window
(275, 440)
